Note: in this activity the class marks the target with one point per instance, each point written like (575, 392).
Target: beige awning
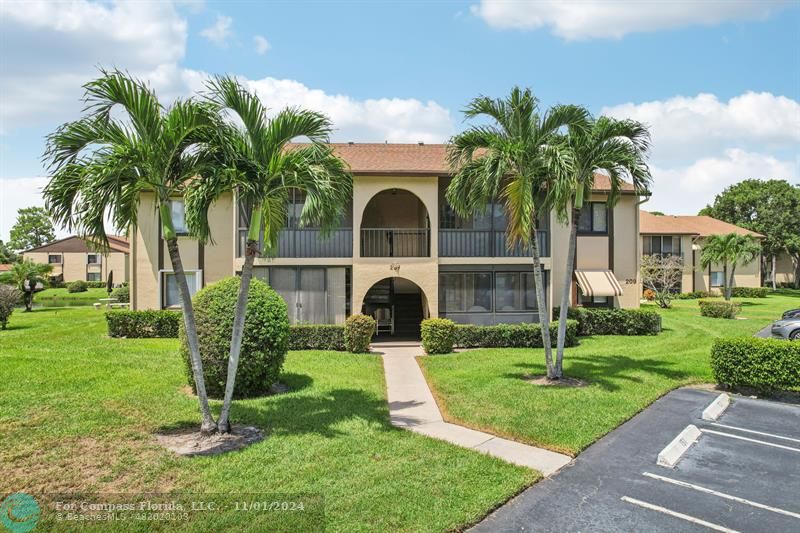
(598, 283)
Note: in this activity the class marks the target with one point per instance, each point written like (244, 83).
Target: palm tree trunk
(208, 425)
(774, 268)
(566, 292)
(28, 297)
(729, 288)
(237, 335)
(544, 314)
(725, 280)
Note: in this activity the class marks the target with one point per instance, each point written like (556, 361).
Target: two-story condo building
(683, 236)
(401, 253)
(74, 258)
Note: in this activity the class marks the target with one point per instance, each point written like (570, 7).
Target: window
(594, 218)
(93, 259)
(54, 259)
(514, 292)
(93, 276)
(178, 214)
(594, 301)
(717, 279)
(466, 292)
(661, 245)
(313, 295)
(170, 295)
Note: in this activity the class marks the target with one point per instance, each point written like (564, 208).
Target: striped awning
(598, 283)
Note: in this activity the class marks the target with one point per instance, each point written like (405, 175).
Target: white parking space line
(669, 512)
(721, 494)
(739, 437)
(755, 432)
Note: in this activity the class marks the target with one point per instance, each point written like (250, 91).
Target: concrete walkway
(412, 406)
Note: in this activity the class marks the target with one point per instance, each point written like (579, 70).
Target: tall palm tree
(616, 148)
(258, 163)
(731, 250)
(28, 277)
(512, 160)
(127, 143)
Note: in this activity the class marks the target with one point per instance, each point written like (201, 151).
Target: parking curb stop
(673, 451)
(717, 407)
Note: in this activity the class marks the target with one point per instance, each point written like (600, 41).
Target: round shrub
(719, 308)
(438, 335)
(77, 286)
(122, 294)
(265, 342)
(9, 298)
(358, 331)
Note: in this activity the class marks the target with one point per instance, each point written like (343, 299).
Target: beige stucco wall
(627, 251)
(422, 271)
(784, 269)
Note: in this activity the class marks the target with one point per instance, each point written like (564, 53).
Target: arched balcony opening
(395, 223)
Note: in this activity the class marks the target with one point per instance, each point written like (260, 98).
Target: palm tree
(731, 249)
(257, 161)
(616, 148)
(512, 160)
(100, 165)
(28, 277)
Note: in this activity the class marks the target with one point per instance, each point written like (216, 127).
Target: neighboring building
(74, 258)
(683, 236)
(787, 270)
(400, 252)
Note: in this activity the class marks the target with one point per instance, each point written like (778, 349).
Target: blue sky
(719, 82)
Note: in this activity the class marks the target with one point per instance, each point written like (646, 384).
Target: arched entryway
(398, 305)
(395, 223)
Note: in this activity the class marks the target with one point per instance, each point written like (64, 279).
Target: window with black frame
(661, 245)
(593, 219)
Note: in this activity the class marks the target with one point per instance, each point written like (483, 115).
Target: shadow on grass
(607, 370)
(301, 414)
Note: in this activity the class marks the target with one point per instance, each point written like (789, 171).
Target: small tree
(662, 274)
(9, 297)
(7, 255)
(28, 277)
(729, 250)
(33, 228)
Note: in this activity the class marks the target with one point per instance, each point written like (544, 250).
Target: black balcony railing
(486, 243)
(309, 242)
(395, 242)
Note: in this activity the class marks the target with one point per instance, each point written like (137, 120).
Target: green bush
(719, 308)
(749, 292)
(265, 342)
(122, 294)
(9, 298)
(316, 337)
(694, 295)
(762, 364)
(438, 335)
(605, 321)
(511, 335)
(358, 331)
(96, 284)
(143, 324)
(77, 286)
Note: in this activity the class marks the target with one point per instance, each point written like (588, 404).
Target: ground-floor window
(170, 295)
(314, 295)
(93, 276)
(717, 279)
(595, 301)
(490, 296)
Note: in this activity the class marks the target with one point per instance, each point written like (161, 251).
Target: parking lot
(742, 474)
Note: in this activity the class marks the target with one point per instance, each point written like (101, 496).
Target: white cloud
(685, 128)
(687, 189)
(16, 194)
(219, 32)
(262, 44)
(392, 119)
(612, 19)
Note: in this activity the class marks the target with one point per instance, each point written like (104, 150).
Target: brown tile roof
(701, 226)
(381, 159)
(75, 244)
(5, 267)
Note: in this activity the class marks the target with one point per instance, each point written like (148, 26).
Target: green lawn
(483, 388)
(78, 410)
(58, 297)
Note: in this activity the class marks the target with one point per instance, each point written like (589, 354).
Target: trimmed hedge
(511, 335)
(719, 308)
(358, 332)
(763, 364)
(750, 292)
(438, 335)
(604, 321)
(122, 294)
(143, 324)
(77, 286)
(9, 298)
(264, 344)
(316, 337)
(694, 295)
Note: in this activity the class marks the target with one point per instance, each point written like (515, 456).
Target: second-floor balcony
(308, 242)
(486, 243)
(395, 242)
